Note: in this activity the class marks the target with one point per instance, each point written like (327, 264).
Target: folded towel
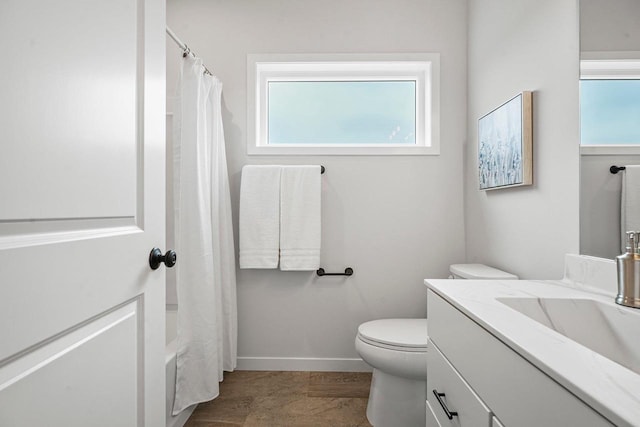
(260, 216)
(300, 218)
(630, 206)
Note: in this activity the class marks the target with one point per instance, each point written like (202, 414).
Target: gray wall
(609, 25)
(600, 204)
(517, 45)
(395, 220)
(605, 26)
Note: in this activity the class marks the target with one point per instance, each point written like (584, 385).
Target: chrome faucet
(629, 273)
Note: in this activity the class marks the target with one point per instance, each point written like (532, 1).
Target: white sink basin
(608, 329)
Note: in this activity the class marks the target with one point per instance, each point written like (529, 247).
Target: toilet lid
(403, 333)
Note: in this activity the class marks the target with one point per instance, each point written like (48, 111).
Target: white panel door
(82, 107)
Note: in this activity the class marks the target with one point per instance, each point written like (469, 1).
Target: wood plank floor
(291, 399)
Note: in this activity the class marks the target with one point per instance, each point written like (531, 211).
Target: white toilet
(397, 351)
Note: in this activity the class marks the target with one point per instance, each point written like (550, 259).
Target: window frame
(609, 66)
(423, 68)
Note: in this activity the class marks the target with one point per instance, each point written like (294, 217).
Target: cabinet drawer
(454, 392)
(432, 421)
(496, 423)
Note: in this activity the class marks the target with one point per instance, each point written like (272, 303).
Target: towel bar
(322, 169)
(347, 272)
(615, 169)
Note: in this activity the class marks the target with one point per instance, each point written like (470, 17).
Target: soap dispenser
(629, 273)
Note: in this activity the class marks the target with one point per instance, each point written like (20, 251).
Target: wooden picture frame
(505, 144)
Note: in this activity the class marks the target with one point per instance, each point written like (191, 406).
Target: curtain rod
(176, 39)
(186, 50)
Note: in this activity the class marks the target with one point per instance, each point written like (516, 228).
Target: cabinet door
(451, 398)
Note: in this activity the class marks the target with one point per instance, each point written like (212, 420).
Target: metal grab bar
(347, 272)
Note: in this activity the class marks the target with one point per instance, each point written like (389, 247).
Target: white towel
(300, 218)
(260, 216)
(630, 206)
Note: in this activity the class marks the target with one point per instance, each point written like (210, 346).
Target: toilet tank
(479, 272)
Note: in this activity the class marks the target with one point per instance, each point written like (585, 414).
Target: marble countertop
(606, 386)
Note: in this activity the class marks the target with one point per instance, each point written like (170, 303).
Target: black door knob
(156, 258)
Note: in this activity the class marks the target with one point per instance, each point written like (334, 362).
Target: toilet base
(396, 401)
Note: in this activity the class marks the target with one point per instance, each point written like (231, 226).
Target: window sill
(609, 150)
(343, 150)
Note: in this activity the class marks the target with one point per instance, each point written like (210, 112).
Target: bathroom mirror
(609, 34)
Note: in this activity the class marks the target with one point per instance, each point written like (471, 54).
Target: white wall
(394, 220)
(609, 25)
(605, 26)
(517, 45)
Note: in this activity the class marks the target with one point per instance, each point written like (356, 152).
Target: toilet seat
(395, 334)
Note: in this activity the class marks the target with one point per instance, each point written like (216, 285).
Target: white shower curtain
(205, 271)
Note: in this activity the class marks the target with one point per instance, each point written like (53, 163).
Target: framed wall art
(505, 144)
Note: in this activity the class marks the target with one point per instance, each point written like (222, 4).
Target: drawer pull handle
(449, 413)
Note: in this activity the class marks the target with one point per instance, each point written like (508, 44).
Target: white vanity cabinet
(484, 380)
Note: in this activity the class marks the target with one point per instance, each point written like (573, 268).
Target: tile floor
(291, 399)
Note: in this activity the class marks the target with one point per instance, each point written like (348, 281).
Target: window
(343, 104)
(609, 105)
(610, 112)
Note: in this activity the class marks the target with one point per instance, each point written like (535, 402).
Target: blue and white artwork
(500, 146)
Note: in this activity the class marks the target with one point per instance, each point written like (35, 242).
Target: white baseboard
(301, 364)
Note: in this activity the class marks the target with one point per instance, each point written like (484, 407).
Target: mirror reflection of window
(610, 112)
(610, 102)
